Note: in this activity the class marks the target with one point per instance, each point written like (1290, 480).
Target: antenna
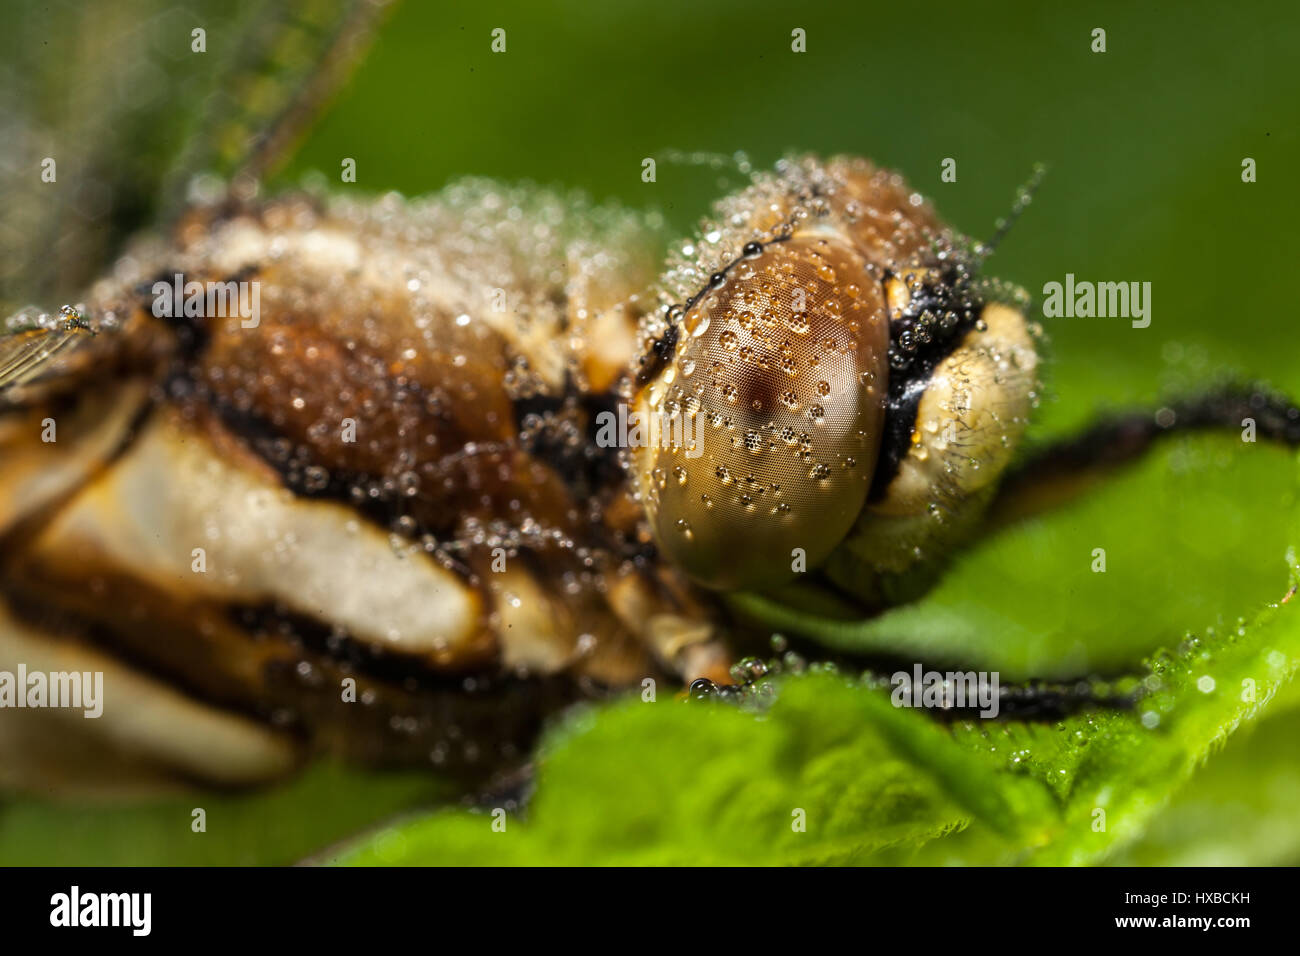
(1024, 196)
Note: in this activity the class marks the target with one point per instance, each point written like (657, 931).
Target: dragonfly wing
(107, 111)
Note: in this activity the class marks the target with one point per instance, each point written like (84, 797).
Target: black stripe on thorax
(915, 351)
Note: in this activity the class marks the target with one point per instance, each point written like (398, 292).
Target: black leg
(1031, 700)
(1058, 472)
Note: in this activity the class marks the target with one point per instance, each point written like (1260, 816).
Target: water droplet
(702, 688)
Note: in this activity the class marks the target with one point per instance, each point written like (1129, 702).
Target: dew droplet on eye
(728, 340)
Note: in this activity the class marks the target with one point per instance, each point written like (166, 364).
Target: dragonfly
(401, 479)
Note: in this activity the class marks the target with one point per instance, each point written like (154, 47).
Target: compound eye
(766, 424)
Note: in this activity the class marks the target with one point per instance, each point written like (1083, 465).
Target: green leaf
(684, 783)
(273, 827)
(1240, 808)
(676, 782)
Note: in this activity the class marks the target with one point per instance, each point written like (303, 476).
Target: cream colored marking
(982, 389)
(382, 264)
(37, 473)
(172, 493)
(531, 638)
(611, 348)
(243, 243)
(678, 642)
(147, 734)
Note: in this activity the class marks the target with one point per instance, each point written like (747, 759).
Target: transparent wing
(291, 57)
(32, 341)
(108, 111)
